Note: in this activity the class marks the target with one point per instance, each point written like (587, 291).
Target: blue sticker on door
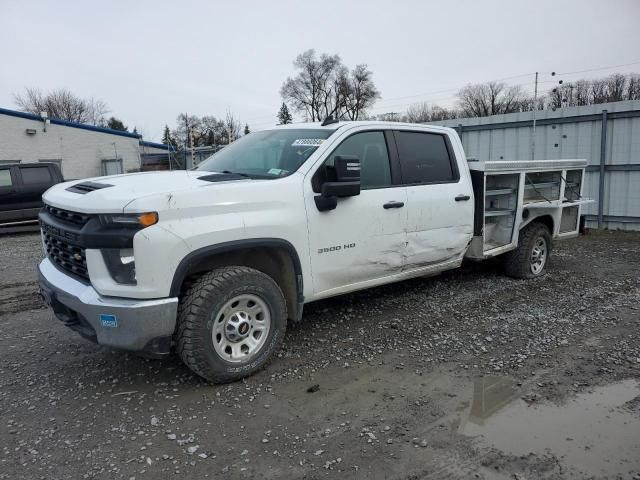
(109, 321)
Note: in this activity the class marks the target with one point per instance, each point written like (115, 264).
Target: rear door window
(5, 178)
(425, 158)
(35, 175)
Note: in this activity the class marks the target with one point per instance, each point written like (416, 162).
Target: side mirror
(347, 184)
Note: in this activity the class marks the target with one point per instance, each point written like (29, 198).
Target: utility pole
(535, 108)
(190, 137)
(192, 149)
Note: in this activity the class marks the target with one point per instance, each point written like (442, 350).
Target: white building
(81, 150)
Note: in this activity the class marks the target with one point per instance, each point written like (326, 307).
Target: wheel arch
(543, 218)
(275, 257)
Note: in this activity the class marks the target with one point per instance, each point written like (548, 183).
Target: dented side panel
(439, 227)
(358, 241)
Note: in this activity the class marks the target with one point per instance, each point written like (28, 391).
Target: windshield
(267, 154)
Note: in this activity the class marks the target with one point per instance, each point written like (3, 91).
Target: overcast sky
(151, 60)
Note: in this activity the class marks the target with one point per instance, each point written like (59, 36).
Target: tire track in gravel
(18, 297)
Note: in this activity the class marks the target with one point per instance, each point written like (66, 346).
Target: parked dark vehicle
(21, 189)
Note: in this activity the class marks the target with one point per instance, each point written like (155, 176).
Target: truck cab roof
(360, 123)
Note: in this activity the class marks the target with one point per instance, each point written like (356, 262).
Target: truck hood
(112, 194)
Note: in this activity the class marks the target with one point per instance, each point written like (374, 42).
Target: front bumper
(129, 324)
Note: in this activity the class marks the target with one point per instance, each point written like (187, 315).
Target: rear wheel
(231, 321)
(530, 258)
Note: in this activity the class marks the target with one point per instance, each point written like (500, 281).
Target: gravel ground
(405, 381)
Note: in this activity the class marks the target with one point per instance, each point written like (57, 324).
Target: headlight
(139, 220)
(121, 264)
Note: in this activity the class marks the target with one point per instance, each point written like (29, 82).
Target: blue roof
(155, 145)
(57, 121)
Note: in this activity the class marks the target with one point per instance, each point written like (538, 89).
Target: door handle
(393, 204)
(462, 198)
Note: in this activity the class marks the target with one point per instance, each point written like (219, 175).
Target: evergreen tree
(167, 139)
(284, 116)
(116, 124)
(246, 129)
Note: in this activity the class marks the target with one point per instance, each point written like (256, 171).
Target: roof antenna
(329, 120)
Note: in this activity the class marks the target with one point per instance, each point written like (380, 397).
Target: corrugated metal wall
(574, 132)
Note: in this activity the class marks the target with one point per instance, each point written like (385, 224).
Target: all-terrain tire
(519, 263)
(202, 301)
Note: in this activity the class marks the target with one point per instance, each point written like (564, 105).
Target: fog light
(121, 264)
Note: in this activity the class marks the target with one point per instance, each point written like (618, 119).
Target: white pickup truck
(213, 262)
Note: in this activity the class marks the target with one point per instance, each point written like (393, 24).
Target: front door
(440, 199)
(362, 240)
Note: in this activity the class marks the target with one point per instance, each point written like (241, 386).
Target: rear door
(9, 201)
(440, 198)
(362, 240)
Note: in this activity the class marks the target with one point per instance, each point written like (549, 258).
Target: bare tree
(580, 93)
(613, 88)
(440, 113)
(324, 87)
(570, 95)
(388, 117)
(493, 98)
(358, 91)
(62, 104)
(205, 131)
(616, 87)
(599, 91)
(633, 87)
(311, 90)
(96, 111)
(212, 131)
(490, 98)
(188, 131)
(556, 96)
(418, 113)
(422, 112)
(232, 126)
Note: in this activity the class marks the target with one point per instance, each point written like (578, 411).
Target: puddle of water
(589, 433)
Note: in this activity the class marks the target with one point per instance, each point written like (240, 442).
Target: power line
(503, 79)
(597, 69)
(457, 88)
(380, 105)
(527, 85)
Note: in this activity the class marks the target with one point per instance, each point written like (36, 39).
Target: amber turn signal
(148, 219)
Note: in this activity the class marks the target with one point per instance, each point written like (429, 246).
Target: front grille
(66, 255)
(67, 216)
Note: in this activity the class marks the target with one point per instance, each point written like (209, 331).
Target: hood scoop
(222, 177)
(86, 187)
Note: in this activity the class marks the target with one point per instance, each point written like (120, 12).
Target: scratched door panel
(440, 198)
(357, 242)
(438, 227)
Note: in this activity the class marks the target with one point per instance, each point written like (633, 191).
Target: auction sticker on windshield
(307, 142)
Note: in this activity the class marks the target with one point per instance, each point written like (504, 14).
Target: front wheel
(230, 323)
(530, 258)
